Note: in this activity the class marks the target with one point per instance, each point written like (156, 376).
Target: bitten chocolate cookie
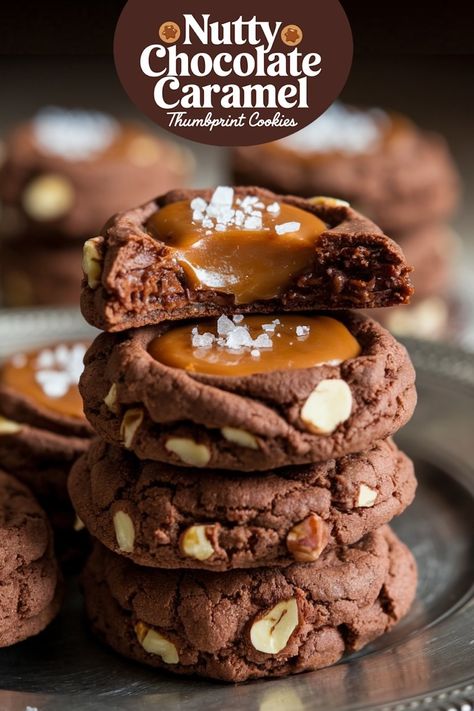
(399, 175)
(29, 577)
(42, 425)
(251, 393)
(194, 253)
(65, 172)
(243, 625)
(170, 517)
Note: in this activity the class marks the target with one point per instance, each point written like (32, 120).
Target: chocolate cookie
(170, 517)
(243, 625)
(431, 250)
(35, 272)
(194, 253)
(389, 169)
(42, 426)
(29, 576)
(65, 172)
(352, 387)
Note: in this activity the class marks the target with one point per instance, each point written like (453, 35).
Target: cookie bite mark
(255, 344)
(203, 253)
(49, 377)
(229, 243)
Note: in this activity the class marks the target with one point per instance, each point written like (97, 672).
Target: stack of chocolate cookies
(402, 177)
(62, 174)
(244, 475)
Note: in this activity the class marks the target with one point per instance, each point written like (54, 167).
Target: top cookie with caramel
(192, 254)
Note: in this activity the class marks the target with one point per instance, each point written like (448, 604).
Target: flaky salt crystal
(239, 338)
(287, 227)
(302, 330)
(204, 340)
(255, 353)
(198, 216)
(263, 341)
(223, 196)
(199, 204)
(274, 208)
(237, 318)
(224, 325)
(253, 223)
(269, 327)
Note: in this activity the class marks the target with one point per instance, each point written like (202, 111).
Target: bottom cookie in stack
(30, 582)
(245, 624)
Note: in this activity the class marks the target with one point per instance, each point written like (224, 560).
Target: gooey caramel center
(48, 377)
(249, 247)
(288, 341)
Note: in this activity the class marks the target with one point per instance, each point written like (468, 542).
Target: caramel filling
(255, 344)
(49, 377)
(247, 247)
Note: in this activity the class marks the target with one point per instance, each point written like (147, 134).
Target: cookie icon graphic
(291, 35)
(169, 32)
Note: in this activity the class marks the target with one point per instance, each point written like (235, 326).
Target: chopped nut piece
(307, 540)
(124, 531)
(78, 524)
(154, 643)
(189, 451)
(271, 633)
(328, 406)
(8, 426)
(194, 542)
(48, 197)
(111, 399)
(367, 496)
(329, 201)
(240, 437)
(92, 261)
(131, 421)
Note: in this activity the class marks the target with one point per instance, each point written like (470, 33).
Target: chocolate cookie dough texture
(30, 583)
(43, 429)
(359, 389)
(244, 476)
(402, 177)
(243, 624)
(167, 516)
(324, 255)
(63, 174)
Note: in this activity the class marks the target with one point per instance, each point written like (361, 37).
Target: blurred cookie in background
(43, 431)
(63, 174)
(399, 175)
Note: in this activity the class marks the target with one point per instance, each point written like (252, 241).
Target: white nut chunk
(124, 531)
(270, 634)
(131, 421)
(78, 524)
(8, 426)
(155, 643)
(240, 437)
(48, 197)
(194, 542)
(189, 451)
(111, 399)
(328, 406)
(92, 261)
(367, 496)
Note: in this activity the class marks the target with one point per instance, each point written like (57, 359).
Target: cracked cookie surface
(249, 624)
(172, 517)
(169, 414)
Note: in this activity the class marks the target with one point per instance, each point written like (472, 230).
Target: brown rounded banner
(233, 75)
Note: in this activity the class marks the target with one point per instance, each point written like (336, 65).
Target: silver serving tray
(425, 663)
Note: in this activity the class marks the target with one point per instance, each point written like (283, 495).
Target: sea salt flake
(263, 341)
(302, 330)
(239, 338)
(53, 382)
(198, 204)
(269, 327)
(255, 353)
(274, 208)
(223, 196)
(253, 223)
(237, 318)
(220, 227)
(224, 325)
(204, 340)
(207, 223)
(45, 359)
(286, 227)
(198, 216)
